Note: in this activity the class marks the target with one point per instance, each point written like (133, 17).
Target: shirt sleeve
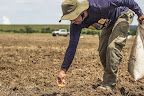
(130, 4)
(75, 31)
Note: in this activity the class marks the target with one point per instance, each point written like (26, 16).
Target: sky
(37, 11)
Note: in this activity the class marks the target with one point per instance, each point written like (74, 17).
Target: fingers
(61, 78)
(141, 19)
(60, 82)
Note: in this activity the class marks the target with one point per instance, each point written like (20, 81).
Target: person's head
(74, 10)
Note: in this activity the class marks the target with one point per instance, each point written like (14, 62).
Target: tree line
(28, 29)
(94, 32)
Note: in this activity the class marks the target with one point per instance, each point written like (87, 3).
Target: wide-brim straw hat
(72, 9)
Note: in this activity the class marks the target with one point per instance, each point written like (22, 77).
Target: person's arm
(75, 31)
(130, 4)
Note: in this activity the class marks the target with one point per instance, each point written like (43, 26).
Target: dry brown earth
(29, 65)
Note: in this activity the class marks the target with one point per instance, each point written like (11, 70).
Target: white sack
(136, 61)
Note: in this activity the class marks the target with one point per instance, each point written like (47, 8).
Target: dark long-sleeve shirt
(105, 12)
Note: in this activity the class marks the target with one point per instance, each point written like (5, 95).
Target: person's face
(78, 20)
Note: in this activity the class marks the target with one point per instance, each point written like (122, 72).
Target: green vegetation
(132, 32)
(35, 27)
(47, 29)
(31, 28)
(90, 31)
(40, 29)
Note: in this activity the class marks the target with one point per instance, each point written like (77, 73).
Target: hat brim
(73, 15)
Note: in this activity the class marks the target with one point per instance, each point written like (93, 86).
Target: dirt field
(29, 65)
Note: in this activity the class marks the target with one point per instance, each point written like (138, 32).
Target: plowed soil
(29, 64)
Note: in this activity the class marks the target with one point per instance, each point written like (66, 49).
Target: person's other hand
(61, 78)
(141, 19)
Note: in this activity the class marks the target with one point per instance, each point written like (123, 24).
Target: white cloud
(23, 1)
(6, 20)
(56, 1)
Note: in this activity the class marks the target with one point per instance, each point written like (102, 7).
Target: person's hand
(141, 19)
(61, 78)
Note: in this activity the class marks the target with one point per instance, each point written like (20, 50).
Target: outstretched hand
(141, 19)
(61, 78)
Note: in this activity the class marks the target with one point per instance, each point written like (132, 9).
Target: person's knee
(121, 29)
(118, 43)
(111, 47)
(114, 52)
